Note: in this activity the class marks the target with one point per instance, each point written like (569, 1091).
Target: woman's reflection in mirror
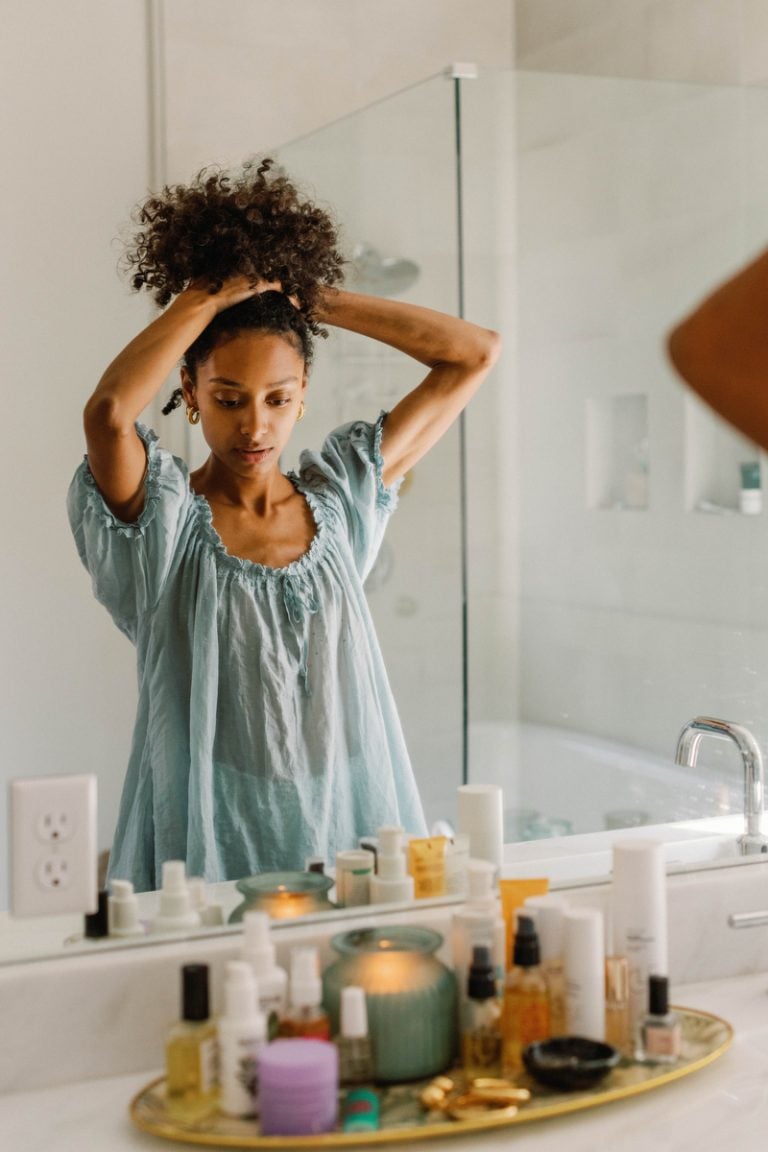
(266, 731)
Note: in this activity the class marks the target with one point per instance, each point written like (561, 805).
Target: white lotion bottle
(584, 970)
(639, 917)
(391, 884)
(272, 980)
(242, 1032)
(176, 912)
(480, 921)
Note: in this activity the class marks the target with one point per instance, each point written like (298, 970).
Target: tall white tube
(481, 815)
(639, 914)
(584, 965)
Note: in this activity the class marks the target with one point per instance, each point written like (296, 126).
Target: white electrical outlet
(53, 845)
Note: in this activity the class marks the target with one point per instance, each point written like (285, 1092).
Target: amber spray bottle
(305, 1018)
(191, 1052)
(481, 1017)
(525, 1017)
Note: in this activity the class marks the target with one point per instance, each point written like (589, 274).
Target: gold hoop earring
(301, 411)
(193, 414)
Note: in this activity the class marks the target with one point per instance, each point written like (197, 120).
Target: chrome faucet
(753, 840)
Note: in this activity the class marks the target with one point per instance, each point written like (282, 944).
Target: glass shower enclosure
(569, 576)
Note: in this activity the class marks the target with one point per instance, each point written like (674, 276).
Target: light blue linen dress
(266, 729)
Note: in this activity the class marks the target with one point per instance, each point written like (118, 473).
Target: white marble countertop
(722, 1105)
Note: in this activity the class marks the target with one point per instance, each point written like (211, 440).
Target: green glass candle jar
(284, 895)
(410, 996)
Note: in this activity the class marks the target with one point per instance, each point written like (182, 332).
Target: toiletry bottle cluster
(255, 1058)
(527, 965)
(564, 973)
(182, 906)
(392, 868)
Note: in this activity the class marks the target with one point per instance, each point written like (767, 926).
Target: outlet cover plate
(53, 855)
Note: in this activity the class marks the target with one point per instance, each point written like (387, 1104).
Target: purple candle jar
(298, 1087)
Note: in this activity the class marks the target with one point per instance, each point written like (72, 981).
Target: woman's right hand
(234, 290)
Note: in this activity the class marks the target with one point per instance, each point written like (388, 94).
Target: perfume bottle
(353, 1041)
(305, 1018)
(481, 1024)
(658, 1038)
(617, 1030)
(525, 1016)
(191, 1052)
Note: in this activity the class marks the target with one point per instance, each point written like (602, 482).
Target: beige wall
(703, 41)
(246, 76)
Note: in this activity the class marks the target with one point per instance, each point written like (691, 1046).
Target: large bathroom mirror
(570, 576)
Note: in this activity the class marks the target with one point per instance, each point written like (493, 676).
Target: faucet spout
(753, 840)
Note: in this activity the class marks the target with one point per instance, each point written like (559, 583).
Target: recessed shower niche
(617, 452)
(723, 470)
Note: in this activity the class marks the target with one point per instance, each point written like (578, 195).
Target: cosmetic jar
(298, 1087)
(410, 997)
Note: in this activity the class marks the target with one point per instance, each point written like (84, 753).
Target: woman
(266, 730)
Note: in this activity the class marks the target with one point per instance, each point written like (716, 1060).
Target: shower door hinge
(462, 71)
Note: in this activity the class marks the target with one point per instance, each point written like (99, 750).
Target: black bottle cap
(658, 995)
(194, 992)
(526, 953)
(97, 923)
(481, 983)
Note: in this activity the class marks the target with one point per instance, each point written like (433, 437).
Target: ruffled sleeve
(129, 563)
(351, 462)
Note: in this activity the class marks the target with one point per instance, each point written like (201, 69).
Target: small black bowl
(570, 1062)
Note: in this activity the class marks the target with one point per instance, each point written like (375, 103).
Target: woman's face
(248, 392)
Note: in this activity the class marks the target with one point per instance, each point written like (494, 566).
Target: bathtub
(558, 782)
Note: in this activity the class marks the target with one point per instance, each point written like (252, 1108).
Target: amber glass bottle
(191, 1052)
(481, 1018)
(525, 1017)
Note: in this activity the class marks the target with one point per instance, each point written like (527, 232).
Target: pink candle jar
(298, 1087)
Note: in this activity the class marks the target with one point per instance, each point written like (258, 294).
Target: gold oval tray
(704, 1039)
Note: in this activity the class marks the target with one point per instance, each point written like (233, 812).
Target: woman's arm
(459, 355)
(721, 350)
(116, 455)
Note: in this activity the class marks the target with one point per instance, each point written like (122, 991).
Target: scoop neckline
(241, 564)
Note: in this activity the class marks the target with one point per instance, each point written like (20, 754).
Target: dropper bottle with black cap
(525, 1017)
(191, 1051)
(481, 1022)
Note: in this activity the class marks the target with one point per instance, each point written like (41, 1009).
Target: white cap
(258, 949)
(549, 911)
(175, 898)
(354, 1013)
(306, 988)
(481, 875)
(391, 861)
(123, 909)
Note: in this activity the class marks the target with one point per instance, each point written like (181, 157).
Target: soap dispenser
(391, 882)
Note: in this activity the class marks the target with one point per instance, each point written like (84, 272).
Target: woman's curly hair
(254, 223)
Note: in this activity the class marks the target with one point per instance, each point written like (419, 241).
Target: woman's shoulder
(166, 482)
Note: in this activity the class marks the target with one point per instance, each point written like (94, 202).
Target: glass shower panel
(388, 172)
(628, 592)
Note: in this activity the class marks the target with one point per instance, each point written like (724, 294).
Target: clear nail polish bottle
(658, 1039)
